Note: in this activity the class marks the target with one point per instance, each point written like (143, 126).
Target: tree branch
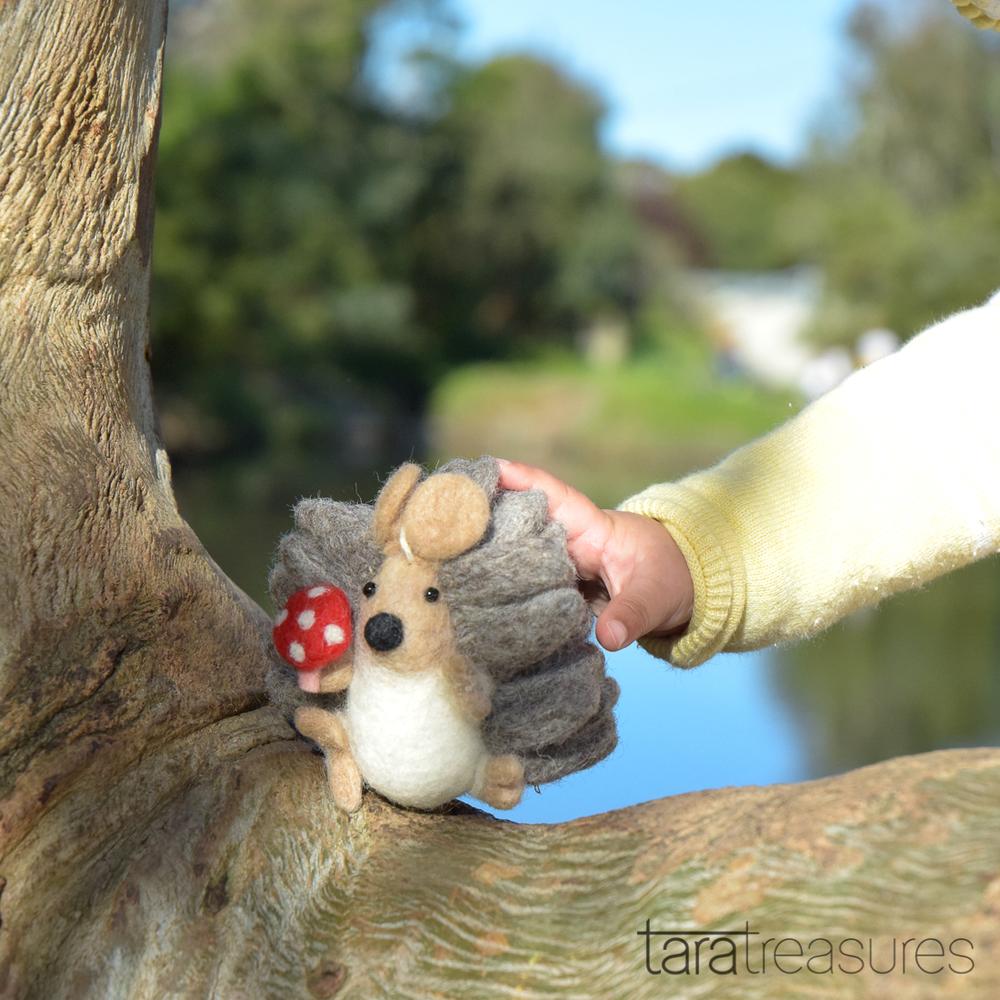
(119, 633)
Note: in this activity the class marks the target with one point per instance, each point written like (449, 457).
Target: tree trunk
(163, 832)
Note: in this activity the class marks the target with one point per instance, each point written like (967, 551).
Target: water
(921, 672)
(681, 731)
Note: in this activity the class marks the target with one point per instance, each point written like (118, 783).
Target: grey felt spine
(591, 743)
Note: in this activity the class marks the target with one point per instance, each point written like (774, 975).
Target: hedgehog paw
(503, 782)
(322, 727)
(345, 781)
(326, 729)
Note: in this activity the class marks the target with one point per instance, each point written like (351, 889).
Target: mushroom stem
(309, 680)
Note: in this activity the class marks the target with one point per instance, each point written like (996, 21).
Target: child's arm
(888, 481)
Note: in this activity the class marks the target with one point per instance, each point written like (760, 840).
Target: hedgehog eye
(369, 588)
(431, 594)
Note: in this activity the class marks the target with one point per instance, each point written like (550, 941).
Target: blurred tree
(284, 194)
(529, 237)
(322, 245)
(927, 102)
(902, 201)
(741, 205)
(652, 196)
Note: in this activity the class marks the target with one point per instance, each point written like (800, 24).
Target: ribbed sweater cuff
(710, 545)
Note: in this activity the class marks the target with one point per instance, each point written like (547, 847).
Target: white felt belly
(410, 742)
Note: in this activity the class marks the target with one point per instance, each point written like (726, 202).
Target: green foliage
(901, 202)
(506, 256)
(323, 249)
(741, 204)
(312, 236)
(283, 195)
(898, 201)
(927, 101)
(607, 430)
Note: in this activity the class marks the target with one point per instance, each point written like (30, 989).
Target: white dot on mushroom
(316, 591)
(281, 617)
(296, 651)
(333, 634)
(306, 619)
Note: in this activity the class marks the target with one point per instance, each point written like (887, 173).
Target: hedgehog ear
(447, 514)
(391, 500)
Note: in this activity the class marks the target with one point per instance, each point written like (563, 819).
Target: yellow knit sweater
(888, 481)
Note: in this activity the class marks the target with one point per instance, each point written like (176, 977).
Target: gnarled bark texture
(163, 832)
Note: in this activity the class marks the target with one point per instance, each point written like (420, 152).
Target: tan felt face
(401, 622)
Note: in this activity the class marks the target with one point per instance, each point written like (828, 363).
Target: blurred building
(757, 320)
(873, 345)
(759, 325)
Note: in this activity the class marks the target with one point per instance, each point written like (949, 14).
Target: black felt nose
(383, 632)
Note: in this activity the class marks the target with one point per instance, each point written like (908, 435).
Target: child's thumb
(627, 616)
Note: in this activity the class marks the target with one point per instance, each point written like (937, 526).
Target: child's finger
(518, 476)
(577, 513)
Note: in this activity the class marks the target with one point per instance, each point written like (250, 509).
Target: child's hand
(641, 583)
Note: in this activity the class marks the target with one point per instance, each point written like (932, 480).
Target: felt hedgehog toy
(446, 640)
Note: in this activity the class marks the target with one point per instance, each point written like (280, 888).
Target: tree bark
(163, 832)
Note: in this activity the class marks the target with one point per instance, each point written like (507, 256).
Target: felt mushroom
(313, 630)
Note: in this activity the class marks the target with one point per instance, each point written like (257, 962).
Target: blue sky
(685, 80)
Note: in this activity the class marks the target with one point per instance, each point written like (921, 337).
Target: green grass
(609, 431)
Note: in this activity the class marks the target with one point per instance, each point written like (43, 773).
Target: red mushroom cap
(314, 628)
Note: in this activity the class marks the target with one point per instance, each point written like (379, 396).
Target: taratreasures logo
(982, 13)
